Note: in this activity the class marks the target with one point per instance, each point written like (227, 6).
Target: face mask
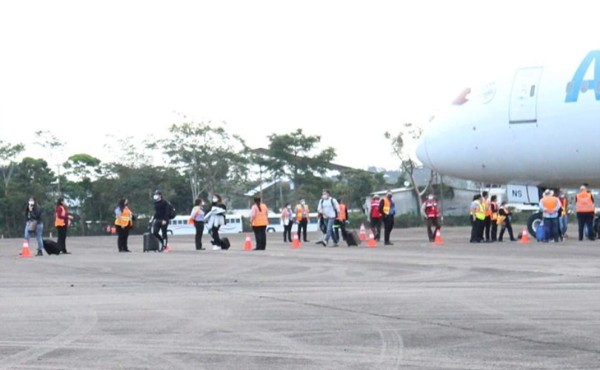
(201, 203)
(430, 198)
(215, 199)
(31, 204)
(156, 197)
(302, 202)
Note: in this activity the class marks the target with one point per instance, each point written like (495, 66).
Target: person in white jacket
(214, 219)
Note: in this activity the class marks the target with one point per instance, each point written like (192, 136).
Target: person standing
(160, 219)
(550, 206)
(62, 219)
(493, 210)
(387, 208)
(504, 220)
(302, 217)
(341, 220)
(477, 211)
(259, 222)
(197, 219)
(123, 223)
(215, 218)
(585, 209)
(430, 210)
(487, 221)
(375, 216)
(287, 219)
(329, 209)
(564, 214)
(34, 224)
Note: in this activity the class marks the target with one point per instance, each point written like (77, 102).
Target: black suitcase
(352, 239)
(51, 247)
(150, 243)
(225, 244)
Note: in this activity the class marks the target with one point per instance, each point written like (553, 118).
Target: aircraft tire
(533, 222)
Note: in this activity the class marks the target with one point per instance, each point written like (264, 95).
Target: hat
(547, 192)
(375, 196)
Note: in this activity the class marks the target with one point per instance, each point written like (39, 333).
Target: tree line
(196, 159)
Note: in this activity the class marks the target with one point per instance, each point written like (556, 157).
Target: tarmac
(413, 305)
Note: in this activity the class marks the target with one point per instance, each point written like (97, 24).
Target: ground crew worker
(493, 206)
(62, 219)
(302, 218)
(477, 211)
(259, 222)
(585, 208)
(387, 208)
(341, 219)
(487, 222)
(375, 216)
(504, 220)
(431, 212)
(123, 223)
(550, 206)
(564, 216)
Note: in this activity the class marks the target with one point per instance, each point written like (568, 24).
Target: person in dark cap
(160, 219)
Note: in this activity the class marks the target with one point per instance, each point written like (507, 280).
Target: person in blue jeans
(329, 208)
(34, 224)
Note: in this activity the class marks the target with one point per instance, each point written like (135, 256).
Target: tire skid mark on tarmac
(84, 322)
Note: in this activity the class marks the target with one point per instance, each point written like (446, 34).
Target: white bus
(276, 224)
(180, 226)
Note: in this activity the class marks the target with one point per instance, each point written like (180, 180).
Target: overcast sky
(345, 70)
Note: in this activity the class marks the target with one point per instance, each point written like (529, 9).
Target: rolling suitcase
(540, 233)
(150, 243)
(225, 244)
(352, 239)
(51, 247)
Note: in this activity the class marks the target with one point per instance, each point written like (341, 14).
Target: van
(180, 226)
(276, 224)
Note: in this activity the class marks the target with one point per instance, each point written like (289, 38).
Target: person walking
(387, 208)
(160, 219)
(329, 209)
(585, 209)
(215, 218)
(287, 219)
(302, 217)
(504, 220)
(123, 223)
(34, 224)
(430, 210)
(375, 216)
(259, 222)
(197, 219)
(62, 218)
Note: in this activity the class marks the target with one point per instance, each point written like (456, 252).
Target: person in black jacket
(34, 224)
(160, 219)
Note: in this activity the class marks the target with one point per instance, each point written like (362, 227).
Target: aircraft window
(462, 98)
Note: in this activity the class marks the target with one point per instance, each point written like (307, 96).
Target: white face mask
(302, 202)
(430, 197)
(156, 197)
(31, 204)
(215, 199)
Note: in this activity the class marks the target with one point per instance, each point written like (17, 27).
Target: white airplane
(536, 126)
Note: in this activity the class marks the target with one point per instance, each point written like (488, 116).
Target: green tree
(209, 156)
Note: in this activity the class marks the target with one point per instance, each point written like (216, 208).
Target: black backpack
(171, 211)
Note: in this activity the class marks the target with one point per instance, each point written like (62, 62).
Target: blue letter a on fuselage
(578, 83)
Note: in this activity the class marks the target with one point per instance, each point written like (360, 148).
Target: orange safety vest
(301, 212)
(584, 202)
(488, 210)
(342, 213)
(124, 219)
(549, 204)
(563, 204)
(58, 221)
(260, 215)
(493, 211)
(386, 206)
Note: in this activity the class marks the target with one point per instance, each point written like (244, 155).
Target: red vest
(375, 208)
(431, 209)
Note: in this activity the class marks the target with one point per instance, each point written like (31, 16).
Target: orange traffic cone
(362, 234)
(296, 242)
(25, 253)
(438, 238)
(525, 236)
(248, 243)
(167, 248)
(371, 243)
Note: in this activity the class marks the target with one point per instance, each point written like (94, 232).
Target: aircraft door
(523, 97)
